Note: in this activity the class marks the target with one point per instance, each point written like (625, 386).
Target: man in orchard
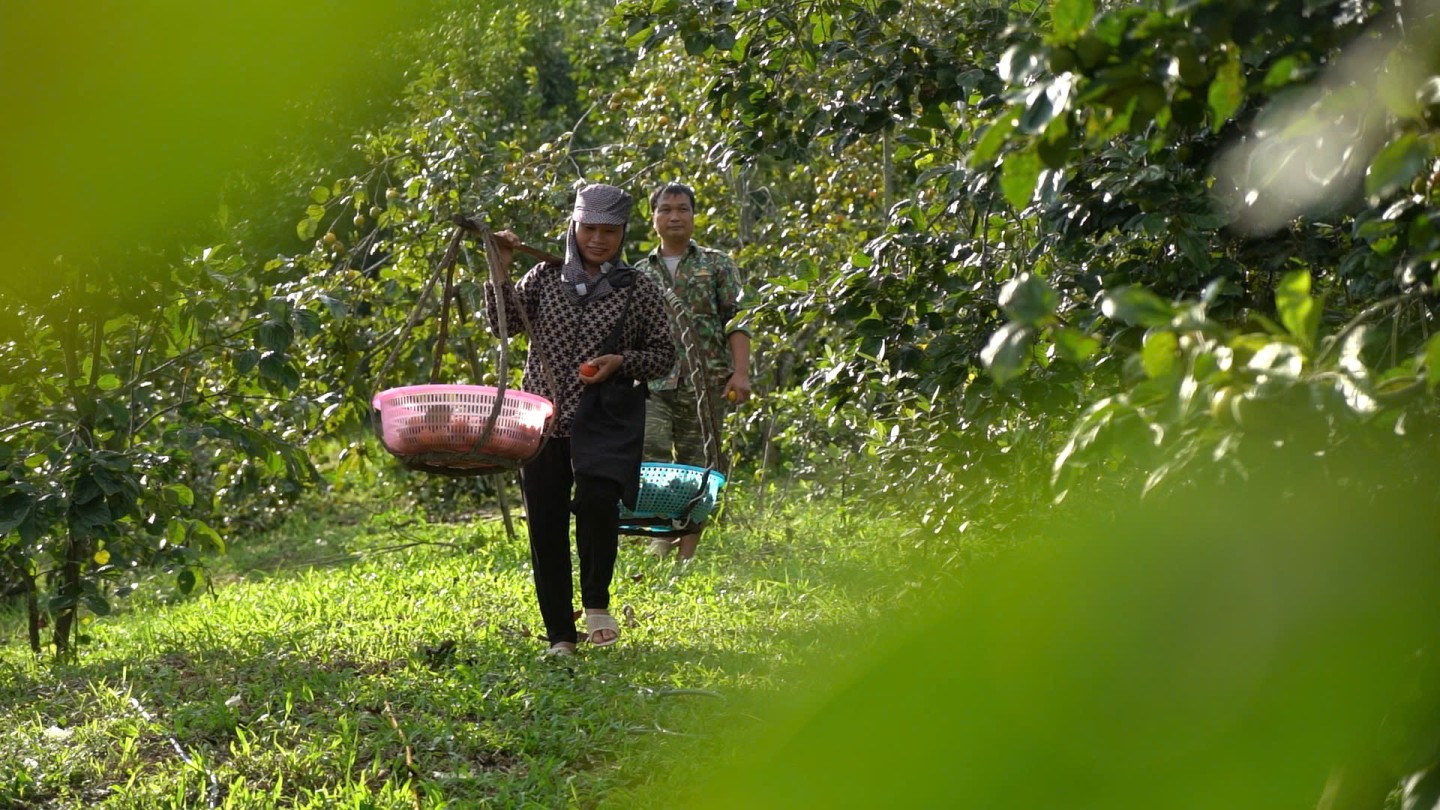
(707, 284)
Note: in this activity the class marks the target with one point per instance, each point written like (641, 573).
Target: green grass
(377, 660)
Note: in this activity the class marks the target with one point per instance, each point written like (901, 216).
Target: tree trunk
(32, 611)
(75, 556)
(504, 500)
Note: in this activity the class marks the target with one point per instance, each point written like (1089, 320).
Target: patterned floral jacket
(709, 283)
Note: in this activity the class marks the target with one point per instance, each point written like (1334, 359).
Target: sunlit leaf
(1029, 299)
(1018, 176)
(180, 494)
(993, 138)
(1226, 92)
(1007, 353)
(1160, 354)
(1298, 310)
(1137, 306)
(1074, 345)
(1278, 359)
(1070, 17)
(1019, 63)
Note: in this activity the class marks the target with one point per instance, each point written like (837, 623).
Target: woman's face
(598, 243)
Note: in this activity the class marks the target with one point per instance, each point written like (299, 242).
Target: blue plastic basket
(665, 490)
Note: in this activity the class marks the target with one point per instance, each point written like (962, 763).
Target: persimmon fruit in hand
(589, 369)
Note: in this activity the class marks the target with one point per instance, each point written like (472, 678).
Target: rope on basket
(437, 462)
(697, 356)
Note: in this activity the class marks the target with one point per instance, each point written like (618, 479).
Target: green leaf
(320, 194)
(1160, 355)
(1136, 305)
(108, 382)
(1432, 362)
(180, 494)
(306, 321)
(186, 581)
(1299, 311)
(1285, 71)
(1019, 63)
(289, 376)
(276, 335)
(635, 40)
(1029, 299)
(993, 138)
(14, 508)
(696, 43)
(1227, 92)
(1018, 176)
(203, 531)
(246, 361)
(1074, 345)
(1071, 17)
(1396, 166)
(305, 229)
(1008, 352)
(94, 514)
(97, 604)
(1044, 102)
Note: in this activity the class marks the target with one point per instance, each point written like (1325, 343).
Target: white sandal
(595, 622)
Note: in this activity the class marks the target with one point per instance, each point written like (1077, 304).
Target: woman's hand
(605, 366)
(505, 243)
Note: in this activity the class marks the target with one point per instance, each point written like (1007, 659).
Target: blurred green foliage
(125, 119)
(1241, 646)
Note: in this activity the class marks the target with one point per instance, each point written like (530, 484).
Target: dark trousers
(546, 483)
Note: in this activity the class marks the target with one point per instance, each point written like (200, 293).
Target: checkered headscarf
(595, 204)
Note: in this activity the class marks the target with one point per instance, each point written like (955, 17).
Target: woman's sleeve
(652, 354)
(516, 296)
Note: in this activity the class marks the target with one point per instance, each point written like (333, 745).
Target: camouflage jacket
(708, 283)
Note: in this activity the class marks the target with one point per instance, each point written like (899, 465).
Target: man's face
(674, 218)
(598, 243)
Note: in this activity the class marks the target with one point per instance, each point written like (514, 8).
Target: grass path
(378, 662)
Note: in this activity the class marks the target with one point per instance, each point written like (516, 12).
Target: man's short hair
(672, 188)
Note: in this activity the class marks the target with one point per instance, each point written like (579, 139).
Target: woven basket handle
(445, 270)
(500, 280)
(442, 269)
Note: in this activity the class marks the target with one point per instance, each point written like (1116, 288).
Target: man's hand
(737, 390)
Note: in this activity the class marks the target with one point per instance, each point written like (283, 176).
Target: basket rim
(382, 398)
(691, 468)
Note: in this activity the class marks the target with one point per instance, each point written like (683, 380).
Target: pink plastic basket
(439, 428)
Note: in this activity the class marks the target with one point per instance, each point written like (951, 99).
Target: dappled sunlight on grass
(313, 672)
